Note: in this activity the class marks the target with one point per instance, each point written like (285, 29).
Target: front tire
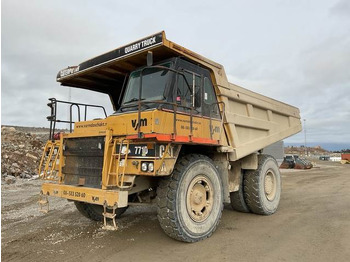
(262, 187)
(190, 201)
(94, 212)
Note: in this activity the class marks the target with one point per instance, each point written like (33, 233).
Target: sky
(294, 51)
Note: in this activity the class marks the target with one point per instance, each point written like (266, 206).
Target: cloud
(342, 9)
(294, 52)
(36, 43)
(316, 80)
(324, 64)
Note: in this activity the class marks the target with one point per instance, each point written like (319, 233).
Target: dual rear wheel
(260, 190)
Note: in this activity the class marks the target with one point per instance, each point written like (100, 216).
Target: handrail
(53, 104)
(140, 102)
(176, 106)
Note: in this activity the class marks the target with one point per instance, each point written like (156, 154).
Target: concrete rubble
(20, 154)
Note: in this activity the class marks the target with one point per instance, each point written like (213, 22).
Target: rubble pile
(20, 154)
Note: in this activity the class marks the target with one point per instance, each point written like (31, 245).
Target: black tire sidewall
(94, 212)
(98, 210)
(199, 229)
(237, 200)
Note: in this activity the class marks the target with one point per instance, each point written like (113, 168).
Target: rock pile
(20, 154)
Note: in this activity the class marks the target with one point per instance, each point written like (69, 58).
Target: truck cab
(171, 82)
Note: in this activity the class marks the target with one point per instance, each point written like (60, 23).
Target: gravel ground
(312, 224)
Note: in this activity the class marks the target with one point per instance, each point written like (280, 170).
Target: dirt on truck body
(181, 135)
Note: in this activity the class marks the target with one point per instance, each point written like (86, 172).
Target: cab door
(195, 95)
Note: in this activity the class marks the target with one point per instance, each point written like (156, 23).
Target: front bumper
(86, 194)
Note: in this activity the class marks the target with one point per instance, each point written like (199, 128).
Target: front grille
(83, 161)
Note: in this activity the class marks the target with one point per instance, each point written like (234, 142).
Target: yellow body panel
(152, 122)
(86, 194)
(158, 127)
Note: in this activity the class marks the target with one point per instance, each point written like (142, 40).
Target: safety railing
(174, 108)
(81, 114)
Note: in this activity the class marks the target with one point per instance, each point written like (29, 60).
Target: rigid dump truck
(181, 137)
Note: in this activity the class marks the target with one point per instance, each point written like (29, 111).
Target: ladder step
(118, 169)
(109, 215)
(43, 202)
(117, 155)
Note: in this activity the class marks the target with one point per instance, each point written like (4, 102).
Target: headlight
(150, 167)
(147, 166)
(123, 151)
(144, 167)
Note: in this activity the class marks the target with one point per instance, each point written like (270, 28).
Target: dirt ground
(311, 224)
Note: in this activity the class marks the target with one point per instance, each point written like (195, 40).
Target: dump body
(254, 121)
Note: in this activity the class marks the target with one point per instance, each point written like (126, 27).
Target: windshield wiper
(133, 100)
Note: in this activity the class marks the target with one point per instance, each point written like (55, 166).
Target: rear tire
(237, 198)
(262, 187)
(190, 200)
(94, 212)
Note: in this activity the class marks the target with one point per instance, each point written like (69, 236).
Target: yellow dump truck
(181, 136)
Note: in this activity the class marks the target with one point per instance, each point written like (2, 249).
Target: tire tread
(166, 201)
(251, 188)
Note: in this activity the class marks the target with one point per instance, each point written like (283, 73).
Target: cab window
(210, 106)
(184, 92)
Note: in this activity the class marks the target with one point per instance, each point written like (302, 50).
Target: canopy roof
(106, 73)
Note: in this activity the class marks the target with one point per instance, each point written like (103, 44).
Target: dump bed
(251, 121)
(254, 121)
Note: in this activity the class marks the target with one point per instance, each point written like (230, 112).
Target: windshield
(154, 81)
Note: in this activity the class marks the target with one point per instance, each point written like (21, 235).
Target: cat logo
(135, 125)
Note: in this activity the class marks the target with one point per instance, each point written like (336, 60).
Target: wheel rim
(199, 198)
(270, 185)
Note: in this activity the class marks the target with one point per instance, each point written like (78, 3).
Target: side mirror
(149, 58)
